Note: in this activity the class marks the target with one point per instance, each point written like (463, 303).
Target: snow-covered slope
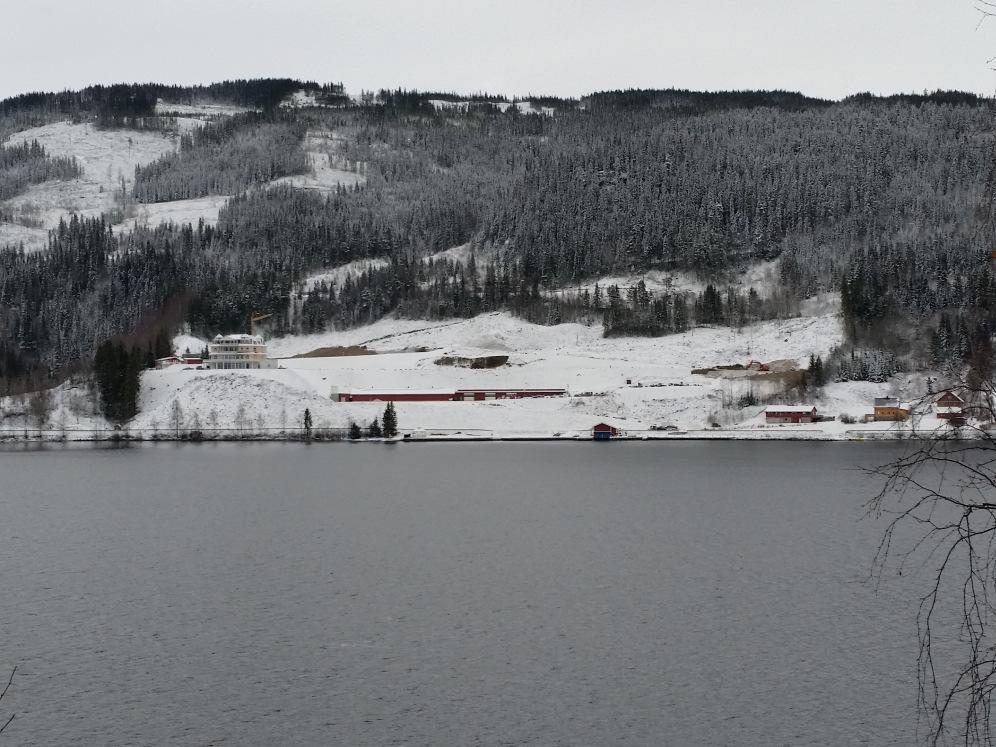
(575, 357)
(107, 158)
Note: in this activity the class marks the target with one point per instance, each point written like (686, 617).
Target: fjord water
(450, 594)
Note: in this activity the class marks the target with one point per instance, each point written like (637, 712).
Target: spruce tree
(389, 421)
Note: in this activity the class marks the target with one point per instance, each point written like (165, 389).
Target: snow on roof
(388, 392)
(886, 402)
(790, 408)
(255, 339)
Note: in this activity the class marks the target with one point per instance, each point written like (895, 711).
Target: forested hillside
(887, 202)
(224, 157)
(28, 163)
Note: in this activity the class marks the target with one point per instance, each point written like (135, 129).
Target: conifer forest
(887, 202)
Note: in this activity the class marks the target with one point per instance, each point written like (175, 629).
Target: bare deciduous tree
(3, 694)
(940, 498)
(40, 405)
(176, 417)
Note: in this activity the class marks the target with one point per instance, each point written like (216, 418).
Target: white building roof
(243, 338)
(790, 408)
(389, 391)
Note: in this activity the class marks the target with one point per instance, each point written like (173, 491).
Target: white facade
(238, 352)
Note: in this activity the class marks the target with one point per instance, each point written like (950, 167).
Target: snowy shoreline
(124, 437)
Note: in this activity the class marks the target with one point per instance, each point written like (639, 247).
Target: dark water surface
(448, 594)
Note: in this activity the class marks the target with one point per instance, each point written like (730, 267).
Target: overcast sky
(827, 48)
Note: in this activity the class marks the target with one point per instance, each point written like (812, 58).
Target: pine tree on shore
(390, 421)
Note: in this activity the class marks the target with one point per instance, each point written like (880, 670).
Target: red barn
(949, 399)
(604, 432)
(169, 360)
(949, 406)
(790, 414)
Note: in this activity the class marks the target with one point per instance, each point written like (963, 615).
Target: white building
(238, 351)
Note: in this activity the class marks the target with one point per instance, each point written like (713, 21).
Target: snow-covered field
(661, 390)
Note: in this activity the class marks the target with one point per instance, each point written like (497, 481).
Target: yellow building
(890, 409)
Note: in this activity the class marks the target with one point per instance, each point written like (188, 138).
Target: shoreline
(755, 435)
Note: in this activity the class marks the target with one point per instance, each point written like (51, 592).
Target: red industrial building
(444, 395)
(790, 414)
(407, 395)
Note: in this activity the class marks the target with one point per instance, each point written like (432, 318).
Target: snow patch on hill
(327, 168)
(198, 111)
(107, 158)
(462, 106)
(762, 277)
(336, 277)
(178, 211)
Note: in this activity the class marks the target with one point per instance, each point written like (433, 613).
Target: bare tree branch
(3, 693)
(940, 501)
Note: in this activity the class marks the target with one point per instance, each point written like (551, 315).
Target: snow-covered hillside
(108, 159)
(106, 156)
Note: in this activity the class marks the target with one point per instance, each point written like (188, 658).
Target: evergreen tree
(354, 431)
(389, 421)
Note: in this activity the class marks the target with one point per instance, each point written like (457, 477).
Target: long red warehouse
(445, 395)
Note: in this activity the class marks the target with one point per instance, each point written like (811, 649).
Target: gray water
(499, 594)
